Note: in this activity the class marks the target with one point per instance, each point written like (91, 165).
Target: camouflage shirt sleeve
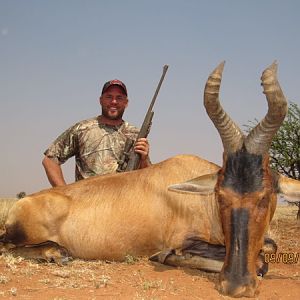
(97, 147)
(64, 146)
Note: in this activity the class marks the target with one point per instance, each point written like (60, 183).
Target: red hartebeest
(108, 217)
(245, 186)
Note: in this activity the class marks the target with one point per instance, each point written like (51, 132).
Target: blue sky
(56, 55)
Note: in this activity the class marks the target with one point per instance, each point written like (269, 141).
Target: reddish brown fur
(107, 217)
(261, 206)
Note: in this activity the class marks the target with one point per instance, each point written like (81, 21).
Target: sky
(56, 55)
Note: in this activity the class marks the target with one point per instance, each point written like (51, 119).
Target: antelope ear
(289, 188)
(200, 185)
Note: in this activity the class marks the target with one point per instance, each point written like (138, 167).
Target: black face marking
(237, 263)
(15, 234)
(243, 172)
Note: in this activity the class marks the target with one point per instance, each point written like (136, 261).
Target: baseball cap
(114, 82)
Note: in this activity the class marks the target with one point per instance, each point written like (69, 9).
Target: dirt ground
(141, 279)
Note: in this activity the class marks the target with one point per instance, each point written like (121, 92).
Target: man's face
(113, 102)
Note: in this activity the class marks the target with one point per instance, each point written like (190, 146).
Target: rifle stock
(130, 160)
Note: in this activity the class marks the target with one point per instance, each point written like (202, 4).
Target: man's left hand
(142, 147)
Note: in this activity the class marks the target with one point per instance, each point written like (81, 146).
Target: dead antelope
(108, 217)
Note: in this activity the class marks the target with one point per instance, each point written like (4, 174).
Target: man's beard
(118, 116)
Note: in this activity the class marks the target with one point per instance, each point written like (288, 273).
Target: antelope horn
(231, 135)
(260, 137)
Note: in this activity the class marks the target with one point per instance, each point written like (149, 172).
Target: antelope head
(245, 187)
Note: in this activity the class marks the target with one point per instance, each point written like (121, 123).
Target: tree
(21, 195)
(285, 147)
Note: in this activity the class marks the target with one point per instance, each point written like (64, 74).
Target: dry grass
(285, 228)
(136, 278)
(88, 275)
(286, 212)
(5, 206)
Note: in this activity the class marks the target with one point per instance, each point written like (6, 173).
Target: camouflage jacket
(97, 147)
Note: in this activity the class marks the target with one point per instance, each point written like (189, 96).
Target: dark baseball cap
(114, 82)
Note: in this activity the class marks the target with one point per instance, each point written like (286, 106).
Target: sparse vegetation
(21, 195)
(130, 260)
(138, 279)
(5, 206)
(285, 147)
(3, 279)
(152, 284)
(103, 282)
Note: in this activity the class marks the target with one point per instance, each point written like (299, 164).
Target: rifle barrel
(132, 159)
(165, 69)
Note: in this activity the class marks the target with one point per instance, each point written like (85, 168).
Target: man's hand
(142, 147)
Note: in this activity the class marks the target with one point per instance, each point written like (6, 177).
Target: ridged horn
(231, 135)
(260, 137)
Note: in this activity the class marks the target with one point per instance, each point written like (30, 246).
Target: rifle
(130, 160)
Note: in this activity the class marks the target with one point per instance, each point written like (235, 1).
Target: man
(96, 143)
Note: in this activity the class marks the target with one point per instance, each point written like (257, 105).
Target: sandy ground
(141, 279)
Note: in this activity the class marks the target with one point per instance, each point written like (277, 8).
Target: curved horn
(230, 133)
(259, 139)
